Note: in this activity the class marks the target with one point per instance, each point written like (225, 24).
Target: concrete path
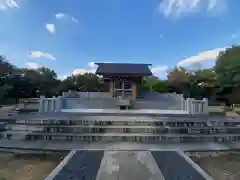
(132, 165)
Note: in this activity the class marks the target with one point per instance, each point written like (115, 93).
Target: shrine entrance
(122, 88)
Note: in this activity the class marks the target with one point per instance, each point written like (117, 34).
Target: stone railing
(235, 106)
(53, 104)
(194, 106)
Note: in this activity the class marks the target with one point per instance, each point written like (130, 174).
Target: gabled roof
(123, 68)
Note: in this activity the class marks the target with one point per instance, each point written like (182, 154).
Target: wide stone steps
(122, 129)
(134, 137)
(87, 128)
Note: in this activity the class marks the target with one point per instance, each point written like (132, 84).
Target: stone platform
(126, 112)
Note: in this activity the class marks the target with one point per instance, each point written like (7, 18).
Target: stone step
(138, 137)
(123, 129)
(129, 121)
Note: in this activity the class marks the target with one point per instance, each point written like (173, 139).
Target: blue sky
(68, 35)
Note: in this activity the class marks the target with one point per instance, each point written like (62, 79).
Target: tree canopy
(220, 83)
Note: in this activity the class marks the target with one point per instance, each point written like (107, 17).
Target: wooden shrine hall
(123, 78)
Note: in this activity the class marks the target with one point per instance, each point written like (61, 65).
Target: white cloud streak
(51, 28)
(92, 65)
(234, 36)
(180, 7)
(33, 65)
(39, 54)
(159, 69)
(8, 4)
(62, 16)
(82, 71)
(202, 56)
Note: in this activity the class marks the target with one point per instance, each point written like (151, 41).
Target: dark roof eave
(121, 63)
(126, 74)
(123, 69)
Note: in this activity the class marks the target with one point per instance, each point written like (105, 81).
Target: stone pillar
(183, 104)
(64, 94)
(205, 106)
(53, 104)
(58, 104)
(134, 91)
(41, 104)
(189, 105)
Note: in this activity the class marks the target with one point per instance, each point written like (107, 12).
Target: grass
(220, 166)
(26, 167)
(222, 110)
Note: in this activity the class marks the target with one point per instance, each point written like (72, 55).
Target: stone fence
(193, 106)
(55, 104)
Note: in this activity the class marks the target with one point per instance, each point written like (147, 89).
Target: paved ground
(84, 165)
(220, 166)
(125, 165)
(25, 167)
(128, 165)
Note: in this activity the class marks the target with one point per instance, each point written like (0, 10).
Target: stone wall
(99, 100)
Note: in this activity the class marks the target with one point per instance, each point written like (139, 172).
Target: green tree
(202, 83)
(179, 80)
(227, 70)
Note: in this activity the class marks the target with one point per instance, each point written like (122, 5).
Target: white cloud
(92, 65)
(202, 56)
(62, 77)
(234, 36)
(82, 71)
(39, 54)
(179, 7)
(8, 4)
(51, 28)
(33, 65)
(212, 4)
(62, 15)
(74, 20)
(159, 69)
(92, 69)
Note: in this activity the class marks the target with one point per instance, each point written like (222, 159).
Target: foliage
(222, 82)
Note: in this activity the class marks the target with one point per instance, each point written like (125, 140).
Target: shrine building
(123, 78)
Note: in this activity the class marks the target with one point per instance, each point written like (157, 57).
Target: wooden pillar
(134, 90)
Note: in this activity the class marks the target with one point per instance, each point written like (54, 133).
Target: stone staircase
(101, 128)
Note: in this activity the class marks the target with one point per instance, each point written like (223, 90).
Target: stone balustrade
(54, 104)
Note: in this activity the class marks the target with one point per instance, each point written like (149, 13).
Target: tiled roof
(123, 68)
